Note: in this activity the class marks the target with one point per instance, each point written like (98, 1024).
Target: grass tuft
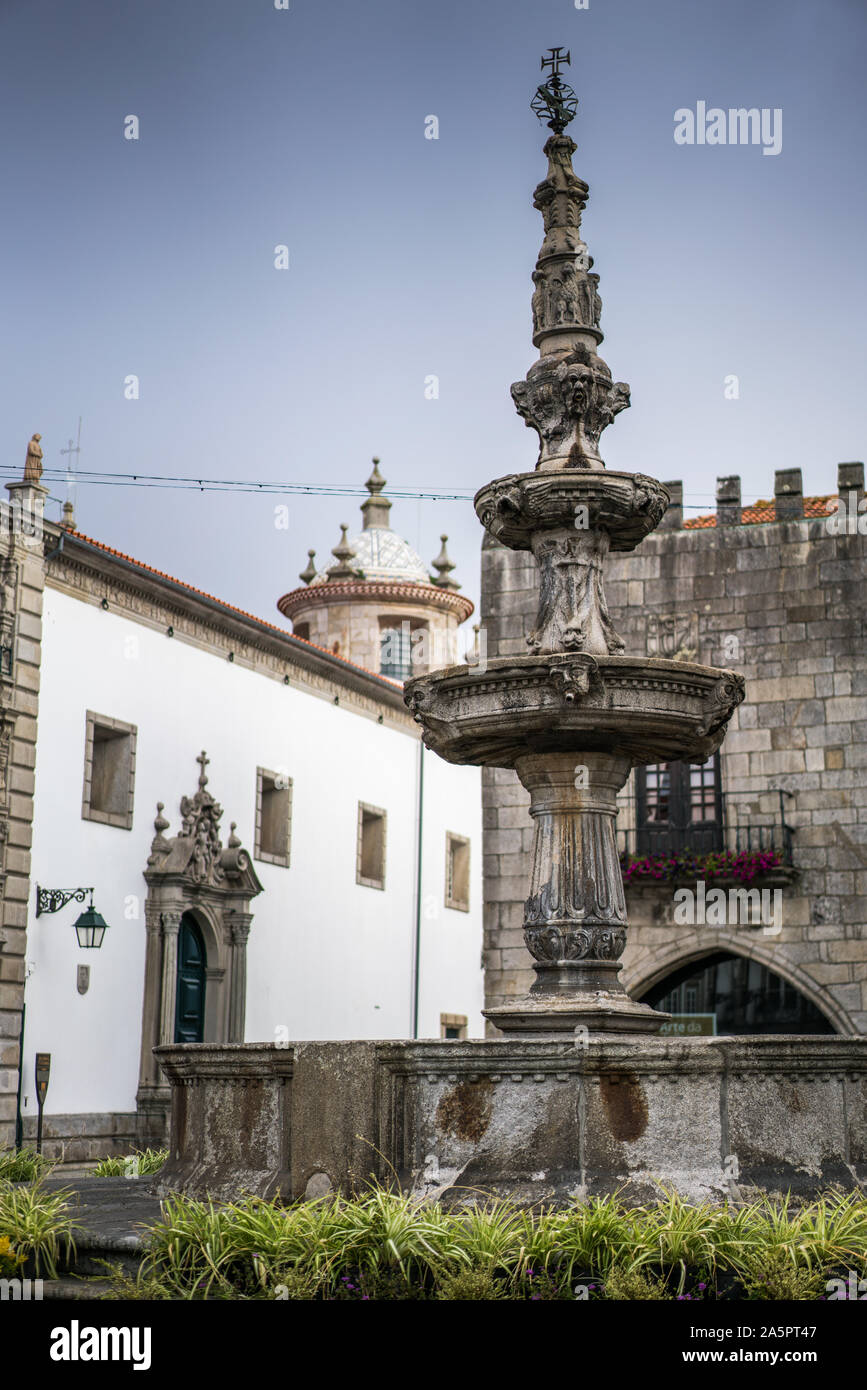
(141, 1163)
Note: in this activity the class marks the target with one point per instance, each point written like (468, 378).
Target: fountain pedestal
(575, 914)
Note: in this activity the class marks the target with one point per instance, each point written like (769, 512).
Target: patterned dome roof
(381, 553)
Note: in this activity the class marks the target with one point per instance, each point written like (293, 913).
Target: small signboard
(43, 1070)
(689, 1026)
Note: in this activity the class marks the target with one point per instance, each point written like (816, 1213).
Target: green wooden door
(190, 999)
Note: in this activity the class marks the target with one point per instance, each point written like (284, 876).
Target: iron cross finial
(553, 62)
(203, 761)
(555, 102)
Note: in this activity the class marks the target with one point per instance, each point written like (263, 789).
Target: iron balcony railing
(741, 827)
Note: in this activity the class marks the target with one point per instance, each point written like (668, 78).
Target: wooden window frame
(456, 904)
(364, 808)
(280, 783)
(454, 1021)
(121, 820)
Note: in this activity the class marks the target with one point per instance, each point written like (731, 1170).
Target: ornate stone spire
(343, 553)
(568, 396)
(375, 508)
(309, 574)
(444, 566)
(159, 844)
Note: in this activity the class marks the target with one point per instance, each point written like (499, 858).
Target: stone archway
(193, 874)
(651, 971)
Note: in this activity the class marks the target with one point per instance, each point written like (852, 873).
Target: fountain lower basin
(646, 709)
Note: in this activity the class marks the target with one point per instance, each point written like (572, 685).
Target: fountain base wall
(533, 1120)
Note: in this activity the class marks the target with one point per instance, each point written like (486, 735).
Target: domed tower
(377, 605)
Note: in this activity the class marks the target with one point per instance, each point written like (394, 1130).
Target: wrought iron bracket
(53, 899)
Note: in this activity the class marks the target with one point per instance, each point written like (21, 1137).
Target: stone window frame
(454, 1021)
(121, 820)
(364, 806)
(263, 855)
(456, 904)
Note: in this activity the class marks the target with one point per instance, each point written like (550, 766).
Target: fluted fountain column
(575, 914)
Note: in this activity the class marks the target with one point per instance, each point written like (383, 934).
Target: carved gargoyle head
(574, 679)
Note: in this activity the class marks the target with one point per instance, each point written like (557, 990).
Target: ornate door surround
(193, 873)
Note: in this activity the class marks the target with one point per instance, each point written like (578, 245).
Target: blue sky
(411, 257)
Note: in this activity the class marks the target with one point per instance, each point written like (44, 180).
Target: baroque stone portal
(193, 873)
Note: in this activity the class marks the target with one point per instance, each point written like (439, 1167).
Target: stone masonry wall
(783, 602)
(22, 572)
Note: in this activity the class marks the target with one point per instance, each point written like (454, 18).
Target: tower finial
(555, 101)
(444, 566)
(376, 507)
(343, 553)
(568, 396)
(309, 573)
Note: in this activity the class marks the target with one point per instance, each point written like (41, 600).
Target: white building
(338, 895)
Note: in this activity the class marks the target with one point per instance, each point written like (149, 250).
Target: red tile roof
(229, 607)
(766, 511)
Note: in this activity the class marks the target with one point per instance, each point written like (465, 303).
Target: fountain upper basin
(645, 708)
(626, 505)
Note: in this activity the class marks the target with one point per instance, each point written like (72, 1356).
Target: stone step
(70, 1289)
(110, 1213)
(94, 1253)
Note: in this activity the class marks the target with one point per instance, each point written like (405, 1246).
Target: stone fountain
(576, 714)
(579, 1095)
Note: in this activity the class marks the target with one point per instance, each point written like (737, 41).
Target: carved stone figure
(33, 461)
(538, 302)
(595, 300)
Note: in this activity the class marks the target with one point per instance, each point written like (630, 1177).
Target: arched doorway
(740, 996)
(190, 999)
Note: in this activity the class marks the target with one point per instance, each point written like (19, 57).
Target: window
(743, 995)
(395, 650)
(109, 771)
(301, 630)
(273, 817)
(679, 807)
(403, 648)
(453, 1026)
(457, 872)
(370, 857)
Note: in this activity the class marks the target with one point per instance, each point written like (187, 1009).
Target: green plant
(544, 1286)
(141, 1163)
(772, 1274)
(632, 1284)
(588, 1236)
(384, 1244)
(299, 1285)
(23, 1165)
(37, 1223)
(136, 1288)
(479, 1285)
